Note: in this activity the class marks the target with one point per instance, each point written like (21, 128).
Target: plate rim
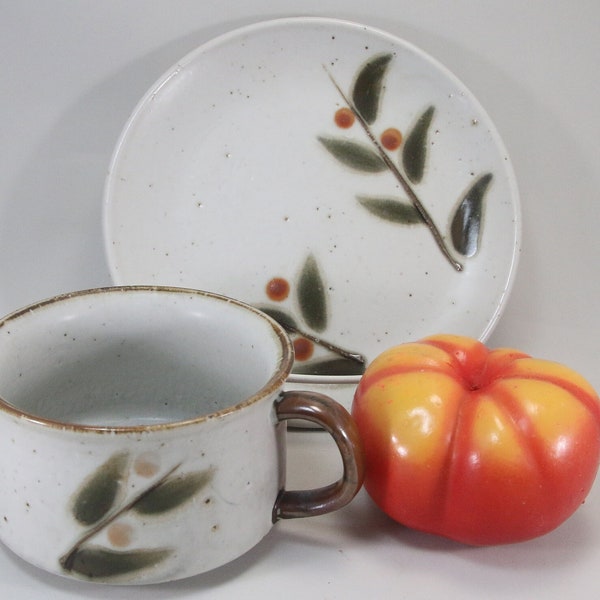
(164, 78)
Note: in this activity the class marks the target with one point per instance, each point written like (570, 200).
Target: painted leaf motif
(283, 318)
(414, 150)
(465, 227)
(391, 210)
(330, 366)
(356, 155)
(311, 295)
(100, 563)
(172, 492)
(366, 91)
(99, 492)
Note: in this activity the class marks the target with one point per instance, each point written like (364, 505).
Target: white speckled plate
(281, 164)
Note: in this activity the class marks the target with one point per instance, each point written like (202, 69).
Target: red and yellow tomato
(481, 446)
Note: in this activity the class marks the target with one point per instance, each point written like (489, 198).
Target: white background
(72, 71)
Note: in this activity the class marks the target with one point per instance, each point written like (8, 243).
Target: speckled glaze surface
(328, 173)
(142, 435)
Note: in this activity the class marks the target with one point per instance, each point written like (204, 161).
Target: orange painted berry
(146, 465)
(303, 348)
(344, 118)
(120, 534)
(391, 138)
(278, 289)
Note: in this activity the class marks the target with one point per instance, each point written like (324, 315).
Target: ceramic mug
(142, 433)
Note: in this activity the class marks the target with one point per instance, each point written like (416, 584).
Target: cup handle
(336, 420)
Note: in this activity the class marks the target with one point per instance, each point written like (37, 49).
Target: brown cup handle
(335, 419)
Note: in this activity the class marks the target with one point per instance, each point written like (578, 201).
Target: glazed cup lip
(278, 377)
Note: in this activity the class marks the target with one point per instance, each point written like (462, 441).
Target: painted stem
(67, 559)
(355, 356)
(437, 236)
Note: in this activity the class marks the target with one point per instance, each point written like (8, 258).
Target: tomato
(480, 446)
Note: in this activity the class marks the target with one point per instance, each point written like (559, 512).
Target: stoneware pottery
(329, 173)
(142, 433)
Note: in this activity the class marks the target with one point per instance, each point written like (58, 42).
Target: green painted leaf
(414, 150)
(466, 224)
(311, 295)
(99, 492)
(172, 492)
(391, 209)
(356, 155)
(330, 366)
(100, 563)
(366, 91)
(283, 318)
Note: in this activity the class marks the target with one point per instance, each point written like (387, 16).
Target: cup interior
(128, 357)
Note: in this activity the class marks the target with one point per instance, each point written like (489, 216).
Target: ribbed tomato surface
(481, 446)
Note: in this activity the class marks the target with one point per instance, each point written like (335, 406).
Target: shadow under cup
(157, 358)
(142, 431)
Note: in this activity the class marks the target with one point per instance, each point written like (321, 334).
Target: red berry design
(303, 348)
(278, 289)
(344, 118)
(391, 138)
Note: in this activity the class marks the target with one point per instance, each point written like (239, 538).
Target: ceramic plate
(330, 173)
